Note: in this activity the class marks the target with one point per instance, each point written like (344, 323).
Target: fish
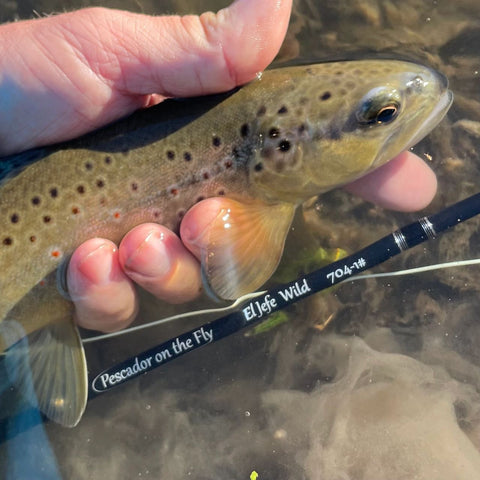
(290, 134)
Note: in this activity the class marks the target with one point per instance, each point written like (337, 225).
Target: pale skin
(66, 75)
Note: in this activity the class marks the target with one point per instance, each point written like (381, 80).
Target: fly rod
(259, 308)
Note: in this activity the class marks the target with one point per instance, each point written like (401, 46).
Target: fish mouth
(434, 118)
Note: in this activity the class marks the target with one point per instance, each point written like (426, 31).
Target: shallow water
(390, 388)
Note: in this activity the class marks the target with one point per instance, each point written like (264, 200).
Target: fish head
(335, 122)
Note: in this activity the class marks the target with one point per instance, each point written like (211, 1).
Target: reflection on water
(297, 402)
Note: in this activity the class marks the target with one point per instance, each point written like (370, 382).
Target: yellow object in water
(288, 135)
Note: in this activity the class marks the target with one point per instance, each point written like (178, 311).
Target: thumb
(68, 74)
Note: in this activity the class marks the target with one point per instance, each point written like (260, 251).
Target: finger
(406, 184)
(155, 258)
(197, 221)
(204, 54)
(104, 296)
(65, 75)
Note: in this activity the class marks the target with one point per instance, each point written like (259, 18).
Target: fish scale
(266, 147)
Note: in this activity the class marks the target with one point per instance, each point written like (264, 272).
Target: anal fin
(53, 354)
(59, 372)
(244, 245)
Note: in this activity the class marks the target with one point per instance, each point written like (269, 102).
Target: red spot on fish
(174, 191)
(55, 253)
(116, 215)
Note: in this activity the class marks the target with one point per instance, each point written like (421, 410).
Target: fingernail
(149, 258)
(96, 267)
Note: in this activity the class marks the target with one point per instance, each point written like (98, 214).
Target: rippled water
(391, 387)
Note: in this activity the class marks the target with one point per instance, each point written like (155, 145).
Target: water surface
(391, 387)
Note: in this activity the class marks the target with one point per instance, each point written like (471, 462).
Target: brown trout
(288, 135)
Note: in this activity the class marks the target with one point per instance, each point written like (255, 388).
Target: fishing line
(239, 301)
(253, 310)
(425, 268)
(193, 313)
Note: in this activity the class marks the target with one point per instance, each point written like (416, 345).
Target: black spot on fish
(187, 156)
(108, 160)
(81, 189)
(206, 175)
(14, 218)
(174, 191)
(302, 128)
(47, 219)
(221, 193)
(181, 213)
(325, 96)
(282, 110)
(258, 167)
(134, 186)
(274, 132)
(7, 241)
(54, 192)
(170, 154)
(100, 183)
(244, 130)
(33, 238)
(199, 199)
(88, 166)
(261, 111)
(228, 164)
(284, 146)
(35, 200)
(216, 142)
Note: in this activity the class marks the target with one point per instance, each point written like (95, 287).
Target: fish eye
(379, 107)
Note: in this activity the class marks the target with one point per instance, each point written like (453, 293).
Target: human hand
(84, 69)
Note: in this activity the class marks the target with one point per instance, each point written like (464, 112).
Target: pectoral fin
(244, 245)
(56, 359)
